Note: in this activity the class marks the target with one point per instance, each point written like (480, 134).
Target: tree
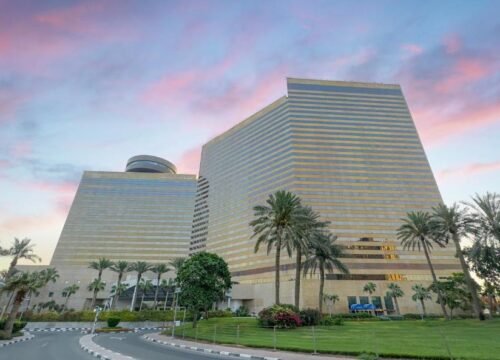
(203, 279)
(69, 290)
(140, 267)
(165, 286)
(491, 291)
(416, 232)
(324, 256)
(454, 292)
(370, 288)
(453, 223)
(177, 263)
(21, 284)
(99, 265)
(395, 292)
(47, 275)
(277, 226)
(120, 267)
(95, 286)
(145, 286)
(20, 249)
(421, 294)
(331, 299)
(159, 270)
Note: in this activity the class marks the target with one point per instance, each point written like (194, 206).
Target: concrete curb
(27, 336)
(99, 352)
(85, 329)
(208, 350)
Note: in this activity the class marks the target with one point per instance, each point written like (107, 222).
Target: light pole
(97, 310)
(177, 291)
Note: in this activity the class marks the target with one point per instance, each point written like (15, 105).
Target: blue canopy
(357, 307)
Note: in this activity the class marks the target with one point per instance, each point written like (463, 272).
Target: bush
(329, 321)
(279, 316)
(113, 321)
(242, 311)
(292, 307)
(18, 325)
(219, 313)
(419, 316)
(310, 317)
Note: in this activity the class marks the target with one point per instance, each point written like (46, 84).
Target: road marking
(45, 344)
(116, 338)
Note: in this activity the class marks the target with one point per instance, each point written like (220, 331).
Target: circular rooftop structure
(150, 164)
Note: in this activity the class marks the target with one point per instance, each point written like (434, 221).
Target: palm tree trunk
(9, 324)
(6, 307)
(165, 303)
(423, 307)
(66, 302)
(434, 278)
(490, 305)
(156, 291)
(468, 280)
(397, 305)
(117, 293)
(321, 287)
(277, 274)
(142, 300)
(298, 268)
(134, 296)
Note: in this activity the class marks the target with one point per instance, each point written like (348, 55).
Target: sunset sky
(84, 85)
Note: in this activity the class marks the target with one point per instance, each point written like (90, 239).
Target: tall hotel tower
(352, 152)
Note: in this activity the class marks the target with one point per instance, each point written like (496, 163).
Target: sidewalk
(243, 352)
(99, 352)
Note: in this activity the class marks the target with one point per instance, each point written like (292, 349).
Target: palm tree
(302, 243)
(140, 267)
(159, 269)
(332, 299)
(21, 284)
(370, 288)
(20, 249)
(277, 225)
(166, 285)
(421, 294)
(395, 292)
(324, 256)
(416, 232)
(144, 286)
(47, 275)
(116, 291)
(69, 290)
(491, 291)
(96, 285)
(120, 267)
(177, 263)
(453, 223)
(485, 218)
(99, 265)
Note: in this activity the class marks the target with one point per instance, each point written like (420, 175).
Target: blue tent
(361, 307)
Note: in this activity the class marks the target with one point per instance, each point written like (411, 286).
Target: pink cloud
(360, 57)
(189, 161)
(413, 49)
(465, 71)
(21, 149)
(468, 170)
(452, 43)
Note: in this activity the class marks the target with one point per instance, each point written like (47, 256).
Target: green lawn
(465, 339)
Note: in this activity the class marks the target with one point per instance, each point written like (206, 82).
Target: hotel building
(350, 151)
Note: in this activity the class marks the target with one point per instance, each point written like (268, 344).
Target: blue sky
(87, 84)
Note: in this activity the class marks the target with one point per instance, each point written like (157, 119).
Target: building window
(389, 304)
(51, 294)
(363, 300)
(377, 301)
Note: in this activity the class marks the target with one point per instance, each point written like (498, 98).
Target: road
(64, 346)
(133, 345)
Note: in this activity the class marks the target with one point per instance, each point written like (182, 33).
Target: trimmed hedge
(113, 321)
(18, 325)
(88, 316)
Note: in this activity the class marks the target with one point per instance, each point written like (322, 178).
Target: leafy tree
(454, 292)
(416, 232)
(95, 286)
(395, 292)
(421, 293)
(453, 223)
(120, 267)
(324, 256)
(140, 267)
(330, 299)
(99, 265)
(277, 226)
(203, 279)
(159, 270)
(20, 249)
(370, 288)
(69, 290)
(145, 286)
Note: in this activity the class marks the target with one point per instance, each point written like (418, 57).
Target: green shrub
(330, 321)
(219, 313)
(419, 316)
(18, 325)
(279, 316)
(292, 307)
(242, 311)
(113, 321)
(310, 317)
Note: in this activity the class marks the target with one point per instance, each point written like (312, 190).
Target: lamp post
(97, 310)
(176, 294)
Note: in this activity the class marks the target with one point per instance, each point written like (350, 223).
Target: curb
(27, 336)
(99, 353)
(208, 350)
(57, 329)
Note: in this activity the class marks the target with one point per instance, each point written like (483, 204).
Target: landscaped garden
(429, 339)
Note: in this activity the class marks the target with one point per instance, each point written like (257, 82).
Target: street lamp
(97, 310)
(176, 293)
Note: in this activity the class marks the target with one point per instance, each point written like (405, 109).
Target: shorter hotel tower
(350, 151)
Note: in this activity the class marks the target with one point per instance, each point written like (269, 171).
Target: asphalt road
(47, 346)
(133, 345)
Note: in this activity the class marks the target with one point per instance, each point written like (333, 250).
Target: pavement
(25, 337)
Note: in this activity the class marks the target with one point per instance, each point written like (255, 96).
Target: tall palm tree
(99, 265)
(416, 232)
(159, 270)
(116, 291)
(69, 290)
(421, 293)
(324, 256)
(276, 225)
(486, 218)
(332, 299)
(140, 267)
(370, 288)
(95, 286)
(20, 249)
(166, 285)
(21, 284)
(144, 286)
(453, 223)
(302, 243)
(47, 275)
(120, 267)
(395, 292)
(177, 263)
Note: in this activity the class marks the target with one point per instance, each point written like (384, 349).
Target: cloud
(412, 49)
(468, 170)
(452, 43)
(189, 161)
